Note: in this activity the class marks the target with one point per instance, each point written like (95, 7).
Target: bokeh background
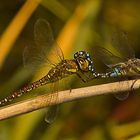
(77, 25)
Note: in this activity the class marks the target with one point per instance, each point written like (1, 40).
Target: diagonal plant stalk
(66, 96)
(15, 27)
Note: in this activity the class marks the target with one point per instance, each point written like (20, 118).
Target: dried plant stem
(65, 96)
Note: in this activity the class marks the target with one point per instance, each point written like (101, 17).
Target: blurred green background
(77, 25)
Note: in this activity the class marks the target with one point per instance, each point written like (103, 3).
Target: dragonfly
(125, 65)
(35, 55)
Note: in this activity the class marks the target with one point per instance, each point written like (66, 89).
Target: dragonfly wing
(124, 95)
(51, 114)
(107, 57)
(121, 42)
(43, 37)
(36, 53)
(31, 61)
(121, 96)
(52, 111)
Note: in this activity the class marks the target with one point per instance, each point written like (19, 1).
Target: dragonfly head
(84, 61)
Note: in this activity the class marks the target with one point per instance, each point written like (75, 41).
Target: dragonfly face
(84, 61)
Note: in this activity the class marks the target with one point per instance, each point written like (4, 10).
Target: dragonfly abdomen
(116, 72)
(25, 90)
(63, 69)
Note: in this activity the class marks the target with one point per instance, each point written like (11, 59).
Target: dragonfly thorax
(62, 70)
(133, 65)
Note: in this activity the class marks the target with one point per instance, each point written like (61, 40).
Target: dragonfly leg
(85, 77)
(82, 78)
(132, 89)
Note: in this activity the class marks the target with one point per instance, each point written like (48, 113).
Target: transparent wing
(44, 38)
(51, 114)
(124, 95)
(111, 60)
(52, 111)
(107, 57)
(121, 42)
(121, 96)
(36, 53)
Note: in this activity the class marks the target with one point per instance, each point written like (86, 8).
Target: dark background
(77, 25)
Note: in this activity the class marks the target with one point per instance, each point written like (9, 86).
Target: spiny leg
(132, 86)
(83, 76)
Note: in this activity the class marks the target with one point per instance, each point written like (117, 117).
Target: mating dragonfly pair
(81, 64)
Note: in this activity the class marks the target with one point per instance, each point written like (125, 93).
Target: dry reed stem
(65, 96)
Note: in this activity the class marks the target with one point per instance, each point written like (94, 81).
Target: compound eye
(81, 62)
